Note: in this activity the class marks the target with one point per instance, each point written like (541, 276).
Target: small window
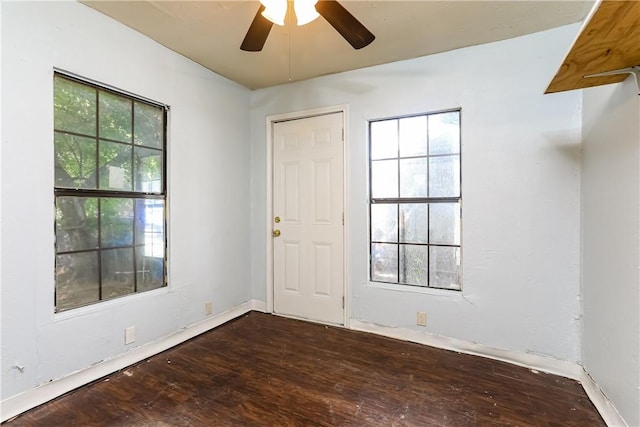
(415, 200)
(110, 193)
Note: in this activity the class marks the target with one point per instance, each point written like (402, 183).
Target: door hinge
(342, 302)
(342, 134)
(342, 218)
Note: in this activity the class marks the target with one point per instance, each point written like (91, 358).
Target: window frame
(99, 194)
(399, 201)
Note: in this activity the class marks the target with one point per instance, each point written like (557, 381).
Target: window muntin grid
(110, 193)
(415, 200)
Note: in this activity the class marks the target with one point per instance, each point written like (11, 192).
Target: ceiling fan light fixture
(275, 11)
(305, 11)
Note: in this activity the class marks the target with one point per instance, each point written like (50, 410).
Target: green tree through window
(109, 193)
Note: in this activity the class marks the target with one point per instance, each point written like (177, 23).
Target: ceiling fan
(273, 11)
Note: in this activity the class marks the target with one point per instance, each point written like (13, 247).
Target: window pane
(115, 166)
(74, 107)
(384, 139)
(115, 117)
(148, 125)
(150, 226)
(148, 170)
(117, 273)
(413, 265)
(149, 270)
(77, 281)
(444, 133)
(444, 267)
(444, 176)
(116, 219)
(76, 223)
(107, 144)
(75, 161)
(413, 177)
(384, 262)
(413, 223)
(444, 223)
(384, 223)
(384, 178)
(424, 153)
(413, 136)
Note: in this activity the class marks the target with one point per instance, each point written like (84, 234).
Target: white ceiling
(210, 32)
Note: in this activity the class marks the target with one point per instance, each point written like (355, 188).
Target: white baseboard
(15, 405)
(22, 402)
(532, 361)
(609, 412)
(259, 305)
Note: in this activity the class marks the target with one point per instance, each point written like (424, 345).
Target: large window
(110, 193)
(415, 200)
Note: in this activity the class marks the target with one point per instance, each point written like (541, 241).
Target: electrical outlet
(129, 335)
(208, 308)
(421, 319)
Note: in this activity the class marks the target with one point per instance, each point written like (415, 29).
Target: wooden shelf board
(609, 41)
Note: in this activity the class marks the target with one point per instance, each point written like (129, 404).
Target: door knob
(276, 233)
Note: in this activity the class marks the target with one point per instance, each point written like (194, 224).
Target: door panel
(292, 267)
(308, 193)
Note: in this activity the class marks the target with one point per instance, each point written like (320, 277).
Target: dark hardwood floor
(266, 370)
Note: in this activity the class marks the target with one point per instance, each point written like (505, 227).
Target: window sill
(103, 306)
(450, 293)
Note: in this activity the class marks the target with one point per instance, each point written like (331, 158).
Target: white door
(308, 158)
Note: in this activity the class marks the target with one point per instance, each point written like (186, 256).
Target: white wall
(208, 189)
(521, 190)
(520, 187)
(611, 243)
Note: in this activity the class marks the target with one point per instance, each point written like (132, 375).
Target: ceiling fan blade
(345, 23)
(257, 33)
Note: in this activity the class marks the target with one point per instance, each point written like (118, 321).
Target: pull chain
(289, 23)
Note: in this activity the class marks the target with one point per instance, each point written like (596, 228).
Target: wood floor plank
(264, 370)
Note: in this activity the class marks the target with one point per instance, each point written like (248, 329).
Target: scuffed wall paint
(520, 189)
(611, 243)
(207, 179)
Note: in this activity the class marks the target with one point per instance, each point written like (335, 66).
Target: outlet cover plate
(129, 335)
(421, 318)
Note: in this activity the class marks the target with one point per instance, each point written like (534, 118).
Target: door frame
(270, 121)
